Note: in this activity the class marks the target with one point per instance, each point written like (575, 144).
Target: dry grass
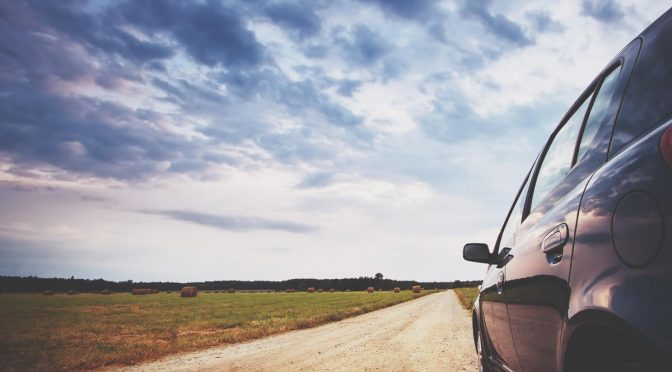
(467, 296)
(60, 332)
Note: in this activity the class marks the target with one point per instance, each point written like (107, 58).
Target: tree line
(16, 284)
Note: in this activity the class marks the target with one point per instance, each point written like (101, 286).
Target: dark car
(580, 278)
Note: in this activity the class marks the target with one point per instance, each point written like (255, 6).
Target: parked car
(580, 278)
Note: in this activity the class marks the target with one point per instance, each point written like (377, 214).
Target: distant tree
(379, 276)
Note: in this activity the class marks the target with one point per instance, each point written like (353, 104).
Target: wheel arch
(594, 339)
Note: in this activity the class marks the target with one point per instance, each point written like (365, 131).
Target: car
(580, 277)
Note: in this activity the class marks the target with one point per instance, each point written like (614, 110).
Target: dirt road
(432, 333)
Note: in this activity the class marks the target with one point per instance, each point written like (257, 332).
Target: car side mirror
(477, 252)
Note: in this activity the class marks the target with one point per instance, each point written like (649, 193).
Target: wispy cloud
(234, 223)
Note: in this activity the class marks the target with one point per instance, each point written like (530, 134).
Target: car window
(558, 159)
(598, 111)
(648, 98)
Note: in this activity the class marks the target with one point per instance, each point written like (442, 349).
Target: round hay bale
(332, 290)
(106, 292)
(416, 289)
(290, 290)
(189, 292)
(397, 289)
(347, 290)
(48, 293)
(231, 290)
(320, 290)
(72, 292)
(370, 289)
(311, 289)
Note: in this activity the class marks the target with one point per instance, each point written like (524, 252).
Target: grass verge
(467, 296)
(88, 331)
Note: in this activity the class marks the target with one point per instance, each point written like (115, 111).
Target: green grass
(88, 331)
(467, 296)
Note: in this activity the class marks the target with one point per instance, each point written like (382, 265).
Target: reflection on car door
(537, 290)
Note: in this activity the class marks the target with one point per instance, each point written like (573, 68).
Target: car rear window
(648, 98)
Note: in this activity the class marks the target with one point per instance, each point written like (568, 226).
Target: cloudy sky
(204, 140)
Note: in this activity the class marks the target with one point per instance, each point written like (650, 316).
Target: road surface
(432, 333)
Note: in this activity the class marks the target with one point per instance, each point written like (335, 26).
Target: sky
(268, 140)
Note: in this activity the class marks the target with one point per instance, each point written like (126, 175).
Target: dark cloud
(84, 135)
(347, 87)
(235, 223)
(212, 33)
(602, 10)
(297, 18)
(416, 9)
(365, 47)
(497, 24)
(96, 31)
(542, 22)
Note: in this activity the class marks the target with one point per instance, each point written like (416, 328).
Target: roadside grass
(88, 331)
(467, 296)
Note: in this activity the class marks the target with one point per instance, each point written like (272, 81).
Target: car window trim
(540, 159)
(606, 72)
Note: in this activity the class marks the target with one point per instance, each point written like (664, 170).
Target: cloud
(415, 10)
(234, 223)
(297, 18)
(497, 24)
(606, 11)
(347, 87)
(317, 180)
(365, 47)
(542, 22)
(212, 33)
(86, 136)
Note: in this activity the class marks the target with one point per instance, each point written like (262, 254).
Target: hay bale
(189, 292)
(332, 290)
(106, 292)
(231, 290)
(416, 289)
(370, 289)
(72, 292)
(347, 290)
(311, 289)
(397, 289)
(48, 293)
(320, 290)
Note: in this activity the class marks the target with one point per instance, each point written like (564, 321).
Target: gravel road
(432, 333)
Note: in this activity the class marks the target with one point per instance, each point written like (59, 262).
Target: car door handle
(555, 241)
(500, 283)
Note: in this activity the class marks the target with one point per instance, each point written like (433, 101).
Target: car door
(493, 307)
(537, 276)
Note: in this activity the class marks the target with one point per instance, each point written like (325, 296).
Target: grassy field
(87, 331)
(467, 296)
